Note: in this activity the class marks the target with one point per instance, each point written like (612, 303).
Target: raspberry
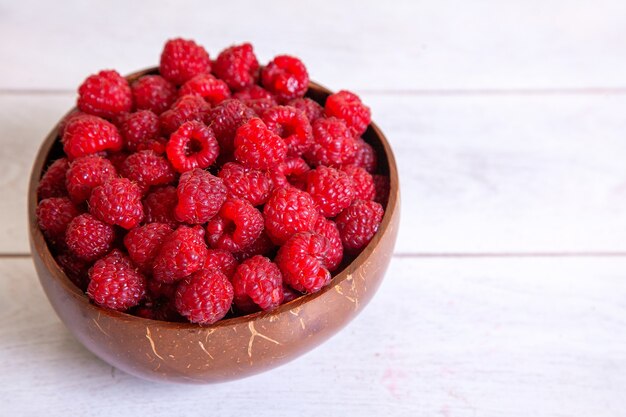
(225, 119)
(139, 128)
(143, 243)
(52, 183)
(348, 106)
(292, 125)
(289, 211)
(88, 238)
(157, 146)
(208, 87)
(54, 214)
(200, 196)
(193, 145)
(182, 253)
(309, 107)
(116, 283)
(286, 77)
(76, 269)
(260, 105)
(245, 183)
(254, 92)
(328, 229)
(154, 93)
(302, 261)
(262, 246)
(381, 183)
(117, 201)
(85, 174)
(257, 283)
(362, 182)
(237, 225)
(105, 94)
(146, 168)
(186, 108)
(334, 143)
(87, 135)
(365, 156)
(358, 224)
(257, 147)
(221, 260)
(331, 189)
(205, 297)
(181, 59)
(291, 173)
(237, 66)
(68, 118)
(159, 206)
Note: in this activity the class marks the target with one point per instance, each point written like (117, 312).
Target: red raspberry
(185, 109)
(181, 59)
(105, 94)
(146, 168)
(200, 196)
(262, 246)
(237, 66)
(237, 225)
(365, 156)
(182, 253)
(154, 93)
(334, 143)
(257, 147)
(52, 183)
(85, 174)
(68, 118)
(54, 214)
(245, 183)
(362, 181)
(309, 107)
(292, 125)
(287, 212)
(87, 135)
(221, 260)
(358, 224)
(302, 261)
(286, 77)
(260, 105)
(254, 92)
(381, 183)
(291, 173)
(159, 206)
(157, 146)
(331, 189)
(348, 106)
(117, 201)
(257, 283)
(75, 268)
(143, 243)
(205, 297)
(139, 128)
(208, 87)
(116, 283)
(225, 119)
(328, 229)
(88, 238)
(193, 145)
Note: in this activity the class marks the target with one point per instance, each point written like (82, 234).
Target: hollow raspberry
(302, 262)
(139, 128)
(185, 109)
(292, 125)
(237, 66)
(262, 246)
(115, 282)
(257, 147)
(146, 168)
(358, 224)
(245, 183)
(52, 183)
(309, 107)
(349, 107)
(193, 145)
(85, 174)
(225, 119)
(257, 284)
(381, 183)
(105, 94)
(75, 268)
(154, 93)
(54, 214)
(286, 77)
(211, 89)
(365, 156)
(205, 297)
(181, 59)
(362, 181)
(331, 189)
(287, 212)
(221, 260)
(143, 243)
(182, 253)
(200, 196)
(159, 204)
(88, 238)
(334, 144)
(290, 173)
(328, 229)
(117, 201)
(87, 135)
(237, 225)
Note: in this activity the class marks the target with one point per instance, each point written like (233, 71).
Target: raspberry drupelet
(302, 262)
(204, 297)
(193, 145)
(257, 284)
(200, 196)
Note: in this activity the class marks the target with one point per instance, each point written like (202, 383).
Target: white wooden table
(507, 293)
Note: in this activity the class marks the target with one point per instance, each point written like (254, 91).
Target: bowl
(231, 348)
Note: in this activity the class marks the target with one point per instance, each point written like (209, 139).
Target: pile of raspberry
(210, 189)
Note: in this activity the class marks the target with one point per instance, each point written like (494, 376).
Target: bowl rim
(39, 244)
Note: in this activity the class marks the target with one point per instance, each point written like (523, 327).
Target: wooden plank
(369, 45)
(486, 337)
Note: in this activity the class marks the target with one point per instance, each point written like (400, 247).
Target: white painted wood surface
(508, 123)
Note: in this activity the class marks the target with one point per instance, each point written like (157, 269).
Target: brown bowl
(231, 348)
